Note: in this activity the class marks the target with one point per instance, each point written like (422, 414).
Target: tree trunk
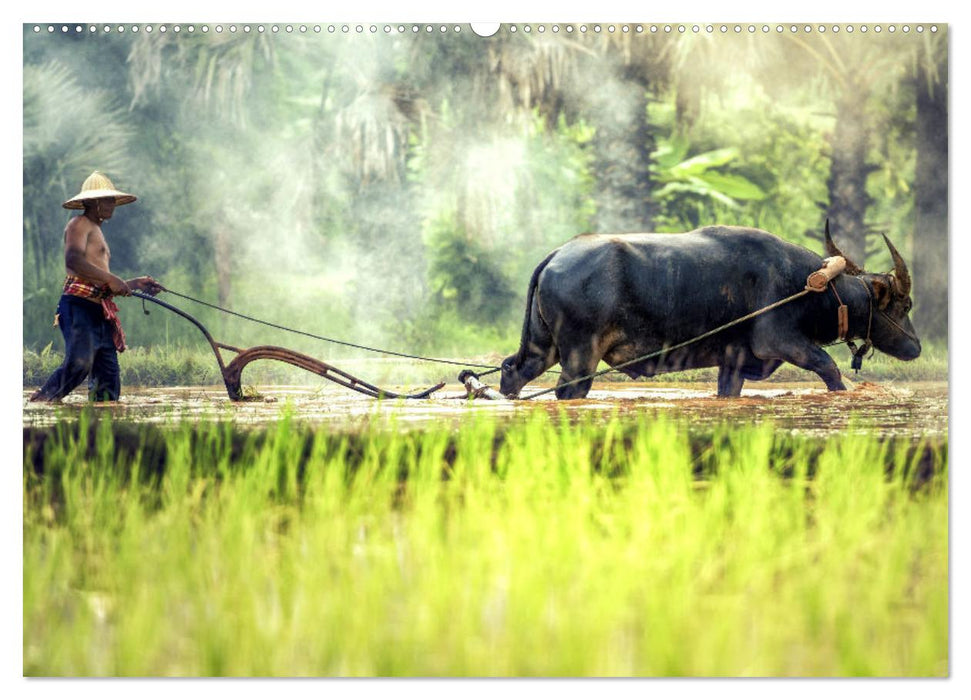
(389, 288)
(622, 149)
(930, 230)
(848, 199)
(222, 257)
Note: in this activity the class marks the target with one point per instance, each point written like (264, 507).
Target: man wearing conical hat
(86, 312)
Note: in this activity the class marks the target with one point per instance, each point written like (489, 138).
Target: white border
(294, 11)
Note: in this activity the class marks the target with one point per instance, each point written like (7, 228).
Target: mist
(396, 188)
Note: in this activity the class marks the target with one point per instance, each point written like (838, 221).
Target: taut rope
(491, 368)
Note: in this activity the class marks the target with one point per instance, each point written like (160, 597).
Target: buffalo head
(890, 328)
(517, 371)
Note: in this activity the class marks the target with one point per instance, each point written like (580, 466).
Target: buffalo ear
(882, 291)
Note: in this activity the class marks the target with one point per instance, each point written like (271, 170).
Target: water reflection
(913, 409)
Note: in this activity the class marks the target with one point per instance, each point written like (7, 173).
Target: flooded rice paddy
(918, 409)
(628, 546)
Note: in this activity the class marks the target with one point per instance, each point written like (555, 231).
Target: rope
(666, 350)
(491, 368)
(856, 364)
(896, 325)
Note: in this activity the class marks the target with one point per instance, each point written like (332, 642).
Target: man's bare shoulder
(80, 224)
(79, 228)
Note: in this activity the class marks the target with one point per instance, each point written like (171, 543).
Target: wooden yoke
(820, 279)
(832, 267)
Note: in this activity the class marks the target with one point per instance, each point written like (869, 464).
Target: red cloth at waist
(79, 287)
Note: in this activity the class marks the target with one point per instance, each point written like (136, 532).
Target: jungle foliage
(399, 187)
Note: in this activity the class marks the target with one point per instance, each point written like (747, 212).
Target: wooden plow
(232, 372)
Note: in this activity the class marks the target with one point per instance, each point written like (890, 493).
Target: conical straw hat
(98, 186)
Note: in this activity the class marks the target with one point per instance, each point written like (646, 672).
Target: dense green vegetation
(546, 547)
(175, 366)
(397, 188)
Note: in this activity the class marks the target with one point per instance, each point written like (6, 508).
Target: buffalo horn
(899, 268)
(851, 267)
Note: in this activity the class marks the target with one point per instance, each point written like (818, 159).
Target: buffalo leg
(575, 363)
(730, 381)
(815, 359)
(760, 369)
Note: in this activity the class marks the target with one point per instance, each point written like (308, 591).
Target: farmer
(86, 313)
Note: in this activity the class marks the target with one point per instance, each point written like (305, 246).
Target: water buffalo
(620, 297)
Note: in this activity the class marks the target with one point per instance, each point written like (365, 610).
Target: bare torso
(86, 236)
(86, 252)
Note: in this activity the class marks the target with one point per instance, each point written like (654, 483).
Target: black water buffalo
(619, 297)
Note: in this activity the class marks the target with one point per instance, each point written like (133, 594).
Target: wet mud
(910, 410)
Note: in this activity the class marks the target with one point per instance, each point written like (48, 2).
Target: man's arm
(75, 258)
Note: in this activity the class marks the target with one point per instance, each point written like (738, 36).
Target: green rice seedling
(604, 545)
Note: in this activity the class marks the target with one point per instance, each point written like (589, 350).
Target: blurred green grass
(630, 546)
(192, 366)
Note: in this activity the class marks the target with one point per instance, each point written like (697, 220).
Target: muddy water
(892, 409)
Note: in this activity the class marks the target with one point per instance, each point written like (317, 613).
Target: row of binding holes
(715, 29)
(541, 29)
(246, 29)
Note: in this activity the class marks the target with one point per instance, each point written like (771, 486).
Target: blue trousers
(89, 352)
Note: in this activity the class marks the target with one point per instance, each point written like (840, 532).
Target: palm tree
(622, 144)
(605, 78)
(213, 104)
(861, 70)
(856, 70)
(931, 188)
(61, 147)
(222, 68)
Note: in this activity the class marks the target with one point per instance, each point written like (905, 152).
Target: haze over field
(397, 188)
